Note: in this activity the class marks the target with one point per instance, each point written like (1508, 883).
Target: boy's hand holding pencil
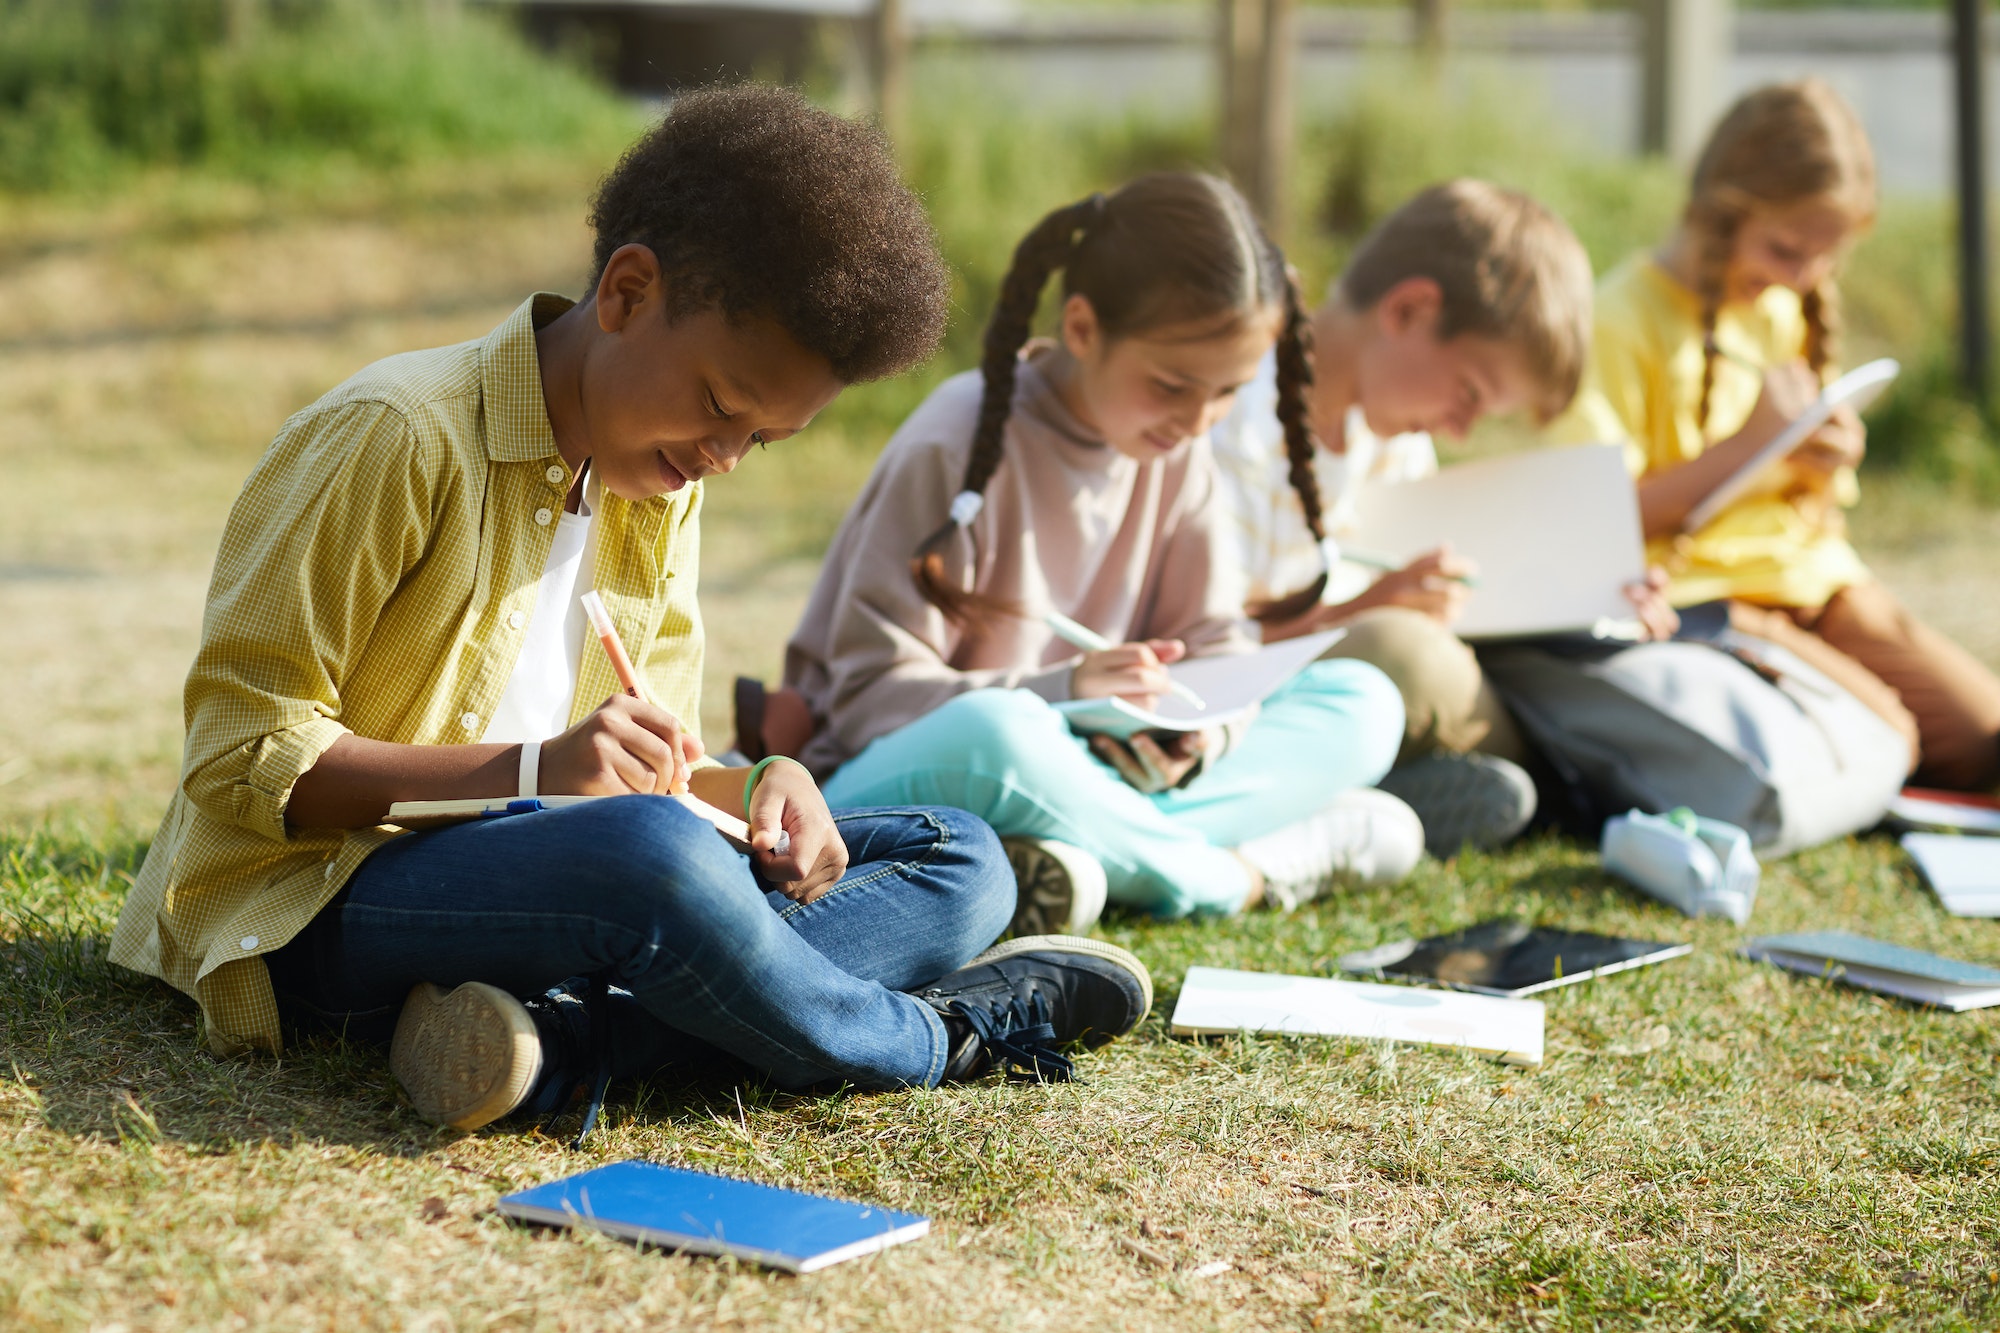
(627, 745)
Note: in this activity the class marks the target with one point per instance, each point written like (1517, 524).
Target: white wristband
(531, 768)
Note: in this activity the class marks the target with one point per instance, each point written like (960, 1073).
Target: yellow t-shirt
(376, 577)
(1643, 387)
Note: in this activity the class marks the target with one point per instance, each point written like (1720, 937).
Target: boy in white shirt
(1468, 300)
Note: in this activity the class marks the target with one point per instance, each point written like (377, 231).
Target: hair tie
(1329, 554)
(1093, 213)
(965, 507)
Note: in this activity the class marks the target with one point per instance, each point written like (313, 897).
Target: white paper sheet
(1216, 1001)
(1555, 533)
(1232, 687)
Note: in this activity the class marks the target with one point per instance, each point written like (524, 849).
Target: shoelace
(597, 1022)
(1022, 1035)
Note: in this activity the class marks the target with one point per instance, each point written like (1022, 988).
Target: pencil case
(1700, 867)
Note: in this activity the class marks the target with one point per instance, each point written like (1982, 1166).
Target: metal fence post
(1969, 67)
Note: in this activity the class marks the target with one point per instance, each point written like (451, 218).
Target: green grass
(91, 94)
(1711, 1143)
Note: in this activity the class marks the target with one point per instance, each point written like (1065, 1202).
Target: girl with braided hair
(1074, 475)
(1704, 350)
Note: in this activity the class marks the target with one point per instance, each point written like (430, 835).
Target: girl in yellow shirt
(1704, 350)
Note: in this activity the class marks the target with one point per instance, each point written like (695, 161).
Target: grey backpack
(1734, 727)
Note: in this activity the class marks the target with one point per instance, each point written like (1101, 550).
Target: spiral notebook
(697, 1212)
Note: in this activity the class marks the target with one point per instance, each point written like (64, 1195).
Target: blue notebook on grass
(701, 1213)
(1912, 974)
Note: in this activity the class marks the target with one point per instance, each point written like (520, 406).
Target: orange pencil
(614, 648)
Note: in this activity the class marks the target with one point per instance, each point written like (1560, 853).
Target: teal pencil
(1082, 636)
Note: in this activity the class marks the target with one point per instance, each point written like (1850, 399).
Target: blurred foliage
(91, 91)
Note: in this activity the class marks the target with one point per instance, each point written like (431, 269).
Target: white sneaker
(1364, 836)
(1060, 887)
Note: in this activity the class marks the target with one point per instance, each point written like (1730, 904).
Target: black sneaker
(1465, 800)
(1021, 1004)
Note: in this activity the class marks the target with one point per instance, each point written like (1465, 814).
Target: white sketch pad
(1218, 1001)
(1555, 533)
(1232, 685)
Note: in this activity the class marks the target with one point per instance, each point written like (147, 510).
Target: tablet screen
(1509, 957)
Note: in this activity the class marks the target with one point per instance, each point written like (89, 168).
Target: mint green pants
(1008, 757)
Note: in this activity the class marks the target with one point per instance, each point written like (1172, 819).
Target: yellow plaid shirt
(376, 577)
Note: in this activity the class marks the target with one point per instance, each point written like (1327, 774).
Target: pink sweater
(1069, 524)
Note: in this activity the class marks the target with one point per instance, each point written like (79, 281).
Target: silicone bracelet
(531, 768)
(757, 771)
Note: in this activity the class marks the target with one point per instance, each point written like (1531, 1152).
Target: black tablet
(1508, 957)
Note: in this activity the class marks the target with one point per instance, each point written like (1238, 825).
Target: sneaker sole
(1124, 958)
(466, 1057)
(1472, 801)
(1060, 889)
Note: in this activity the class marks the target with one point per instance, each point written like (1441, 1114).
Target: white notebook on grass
(1217, 1001)
(1963, 872)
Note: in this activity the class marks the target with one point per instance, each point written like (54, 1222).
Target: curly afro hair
(759, 203)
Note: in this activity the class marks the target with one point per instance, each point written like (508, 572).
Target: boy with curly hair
(394, 616)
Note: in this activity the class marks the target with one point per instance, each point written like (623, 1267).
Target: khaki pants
(1943, 700)
(1447, 701)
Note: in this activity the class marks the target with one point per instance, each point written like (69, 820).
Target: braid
(1295, 379)
(1717, 238)
(1044, 250)
(1821, 308)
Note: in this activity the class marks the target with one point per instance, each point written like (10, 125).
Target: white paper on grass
(1232, 686)
(1856, 389)
(1217, 1001)
(1555, 533)
(1963, 872)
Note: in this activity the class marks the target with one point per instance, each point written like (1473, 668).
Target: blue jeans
(644, 892)
(1008, 757)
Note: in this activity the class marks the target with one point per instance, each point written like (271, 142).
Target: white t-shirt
(537, 700)
(1266, 529)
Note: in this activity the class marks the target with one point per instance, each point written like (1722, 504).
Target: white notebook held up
(1856, 389)
(1217, 1001)
(1555, 533)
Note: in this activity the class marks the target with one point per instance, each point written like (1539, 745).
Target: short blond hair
(1509, 269)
